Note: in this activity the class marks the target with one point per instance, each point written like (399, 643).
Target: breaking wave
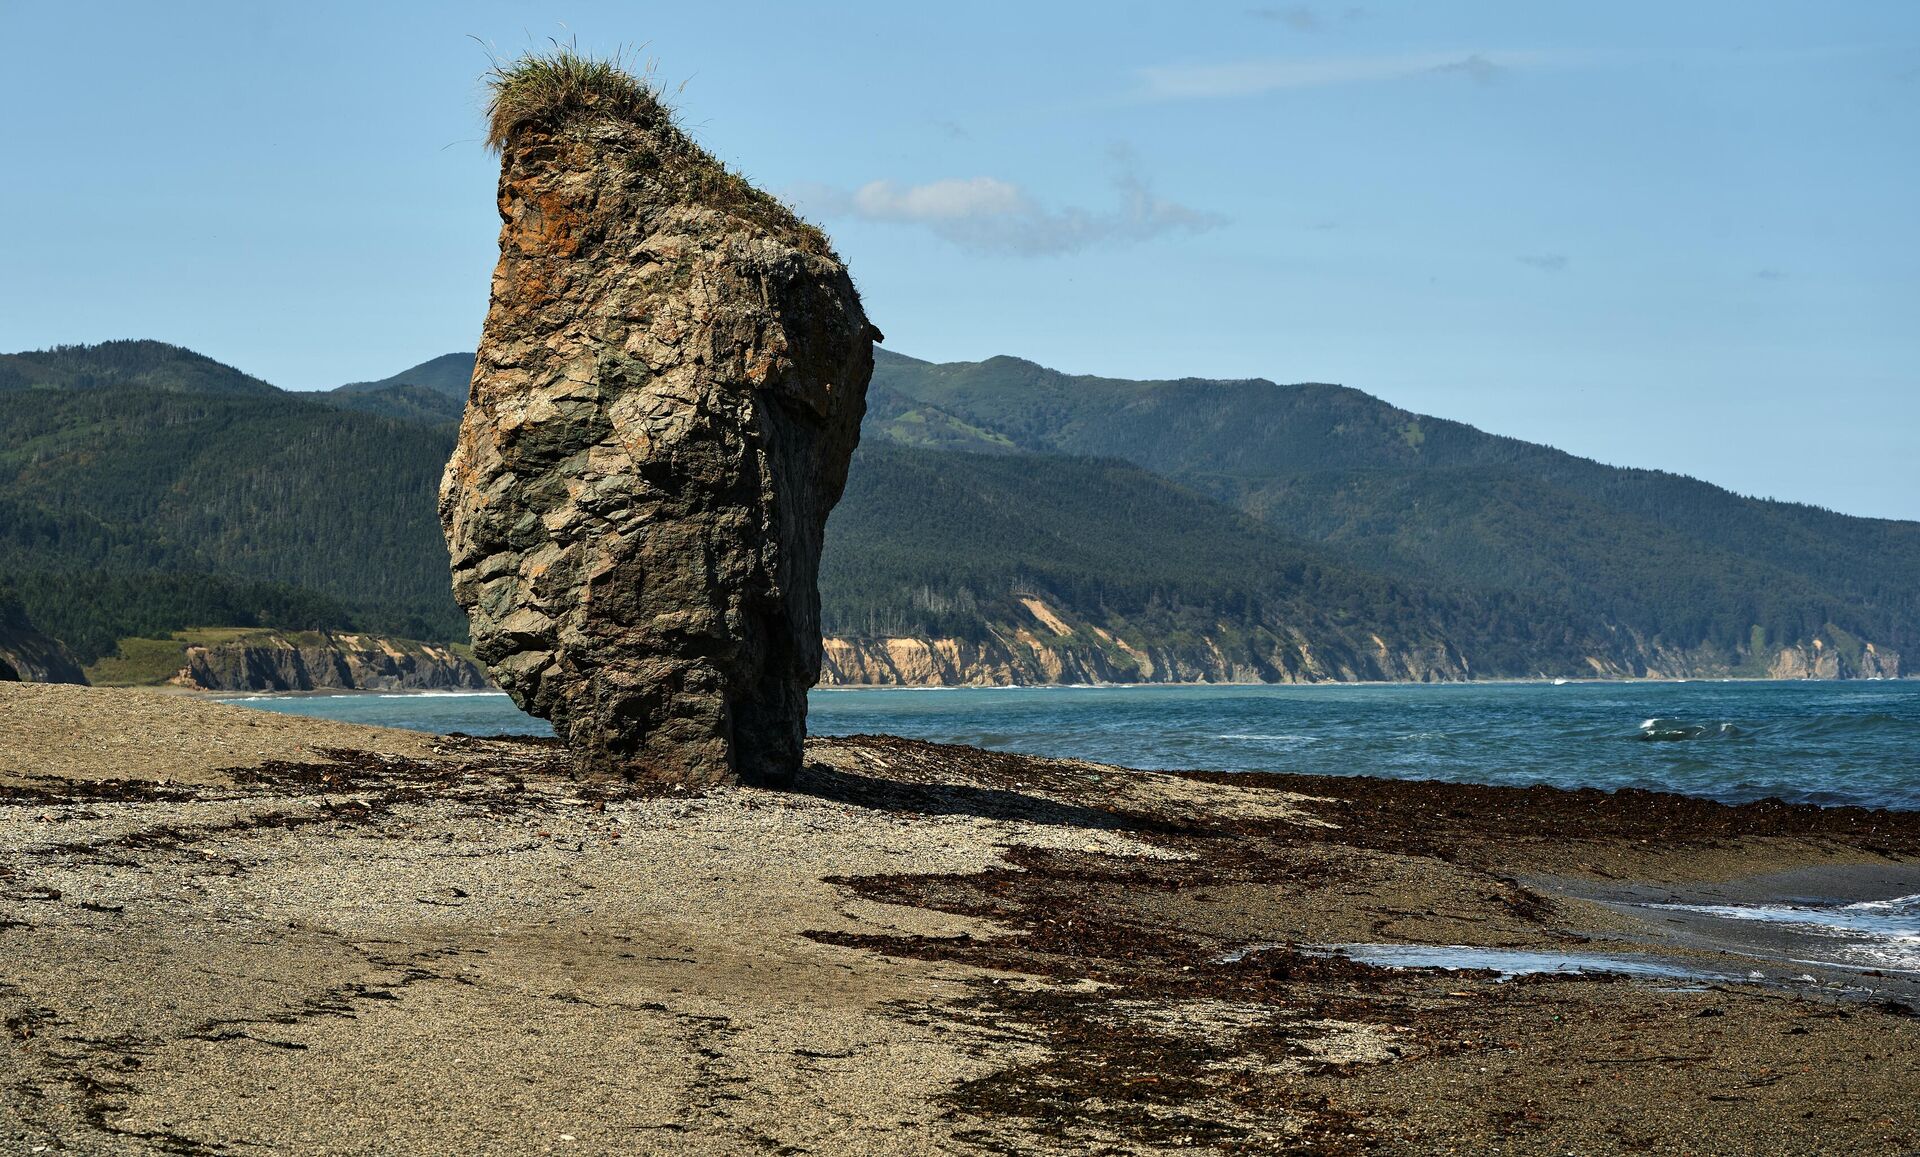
(1680, 731)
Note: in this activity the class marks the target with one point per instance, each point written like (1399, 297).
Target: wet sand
(364, 941)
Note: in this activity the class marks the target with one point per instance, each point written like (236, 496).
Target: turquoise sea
(1826, 742)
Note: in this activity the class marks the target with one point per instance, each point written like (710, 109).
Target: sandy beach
(227, 931)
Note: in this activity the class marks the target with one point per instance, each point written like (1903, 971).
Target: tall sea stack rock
(668, 390)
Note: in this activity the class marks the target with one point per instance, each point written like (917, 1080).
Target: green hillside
(1664, 556)
(944, 544)
(433, 391)
(127, 510)
(408, 403)
(132, 512)
(895, 417)
(150, 365)
(145, 489)
(447, 374)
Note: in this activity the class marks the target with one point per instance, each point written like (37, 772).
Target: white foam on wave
(1507, 962)
(1901, 956)
(1898, 903)
(1866, 916)
(1882, 934)
(1681, 729)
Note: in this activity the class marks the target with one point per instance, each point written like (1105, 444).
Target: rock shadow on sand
(955, 799)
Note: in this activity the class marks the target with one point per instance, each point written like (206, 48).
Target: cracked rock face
(668, 390)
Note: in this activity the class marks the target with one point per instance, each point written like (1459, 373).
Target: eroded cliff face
(1821, 660)
(913, 662)
(1831, 654)
(667, 393)
(925, 662)
(1055, 647)
(29, 656)
(324, 661)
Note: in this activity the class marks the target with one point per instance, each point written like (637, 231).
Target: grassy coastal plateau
(224, 930)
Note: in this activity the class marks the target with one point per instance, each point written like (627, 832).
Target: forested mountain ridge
(1078, 570)
(128, 510)
(1677, 562)
(433, 391)
(447, 374)
(149, 365)
(990, 531)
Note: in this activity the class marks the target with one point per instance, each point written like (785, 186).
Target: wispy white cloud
(1254, 77)
(1303, 17)
(1298, 17)
(946, 200)
(1476, 68)
(989, 215)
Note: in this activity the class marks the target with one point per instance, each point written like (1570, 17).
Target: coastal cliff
(1054, 647)
(250, 659)
(1832, 653)
(911, 662)
(323, 661)
(29, 656)
(1818, 660)
(312, 661)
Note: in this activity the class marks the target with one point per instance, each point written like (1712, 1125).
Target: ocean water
(1880, 934)
(1825, 743)
(1512, 962)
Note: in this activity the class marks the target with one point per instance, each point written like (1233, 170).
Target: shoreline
(1537, 682)
(347, 939)
(1516, 734)
(1331, 683)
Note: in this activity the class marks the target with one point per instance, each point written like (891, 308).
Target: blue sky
(1659, 234)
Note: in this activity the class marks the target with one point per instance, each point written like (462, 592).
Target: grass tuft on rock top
(548, 90)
